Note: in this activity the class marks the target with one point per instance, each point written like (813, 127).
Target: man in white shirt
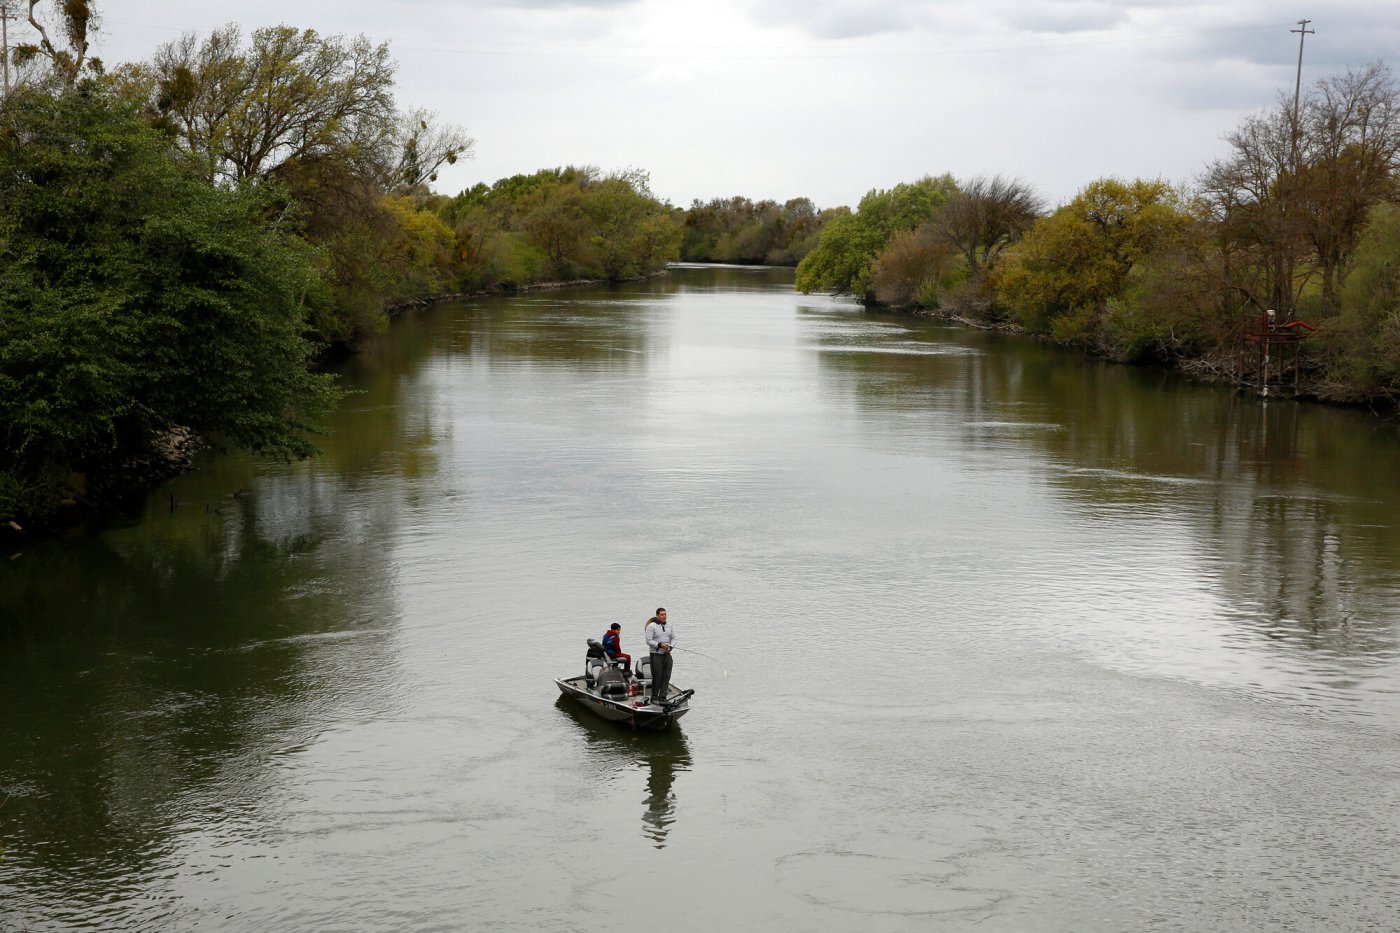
(660, 639)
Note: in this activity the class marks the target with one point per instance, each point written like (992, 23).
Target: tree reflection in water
(1288, 507)
(661, 754)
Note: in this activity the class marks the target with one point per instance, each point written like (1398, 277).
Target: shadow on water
(662, 755)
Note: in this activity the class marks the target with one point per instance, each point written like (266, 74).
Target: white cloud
(821, 98)
(1069, 18)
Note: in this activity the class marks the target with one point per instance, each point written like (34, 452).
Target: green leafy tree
(1169, 307)
(135, 297)
(490, 256)
(634, 232)
(1363, 344)
(617, 206)
(1070, 264)
(418, 247)
(802, 228)
(313, 119)
(740, 230)
(554, 220)
(561, 223)
(840, 255)
(844, 256)
(656, 242)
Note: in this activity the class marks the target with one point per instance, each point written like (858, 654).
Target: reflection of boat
(662, 754)
(606, 689)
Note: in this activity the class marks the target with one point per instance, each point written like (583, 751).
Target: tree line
(740, 230)
(1302, 217)
(181, 238)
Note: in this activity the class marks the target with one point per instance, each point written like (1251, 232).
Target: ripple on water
(874, 874)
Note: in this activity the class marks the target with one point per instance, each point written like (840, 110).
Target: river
(984, 636)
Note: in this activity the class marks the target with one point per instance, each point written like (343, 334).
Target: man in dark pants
(660, 639)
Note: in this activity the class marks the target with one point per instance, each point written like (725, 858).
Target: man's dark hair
(617, 625)
(659, 610)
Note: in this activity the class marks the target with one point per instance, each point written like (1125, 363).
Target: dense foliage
(560, 225)
(1071, 264)
(844, 258)
(1365, 351)
(312, 119)
(134, 297)
(744, 231)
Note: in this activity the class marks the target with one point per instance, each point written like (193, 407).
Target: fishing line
(703, 655)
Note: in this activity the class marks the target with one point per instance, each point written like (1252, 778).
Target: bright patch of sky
(822, 98)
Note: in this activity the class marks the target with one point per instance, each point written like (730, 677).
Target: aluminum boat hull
(633, 711)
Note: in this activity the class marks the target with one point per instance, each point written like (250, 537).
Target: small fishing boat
(606, 689)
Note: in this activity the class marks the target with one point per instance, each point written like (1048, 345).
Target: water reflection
(662, 755)
(724, 278)
(1289, 508)
(150, 677)
(596, 329)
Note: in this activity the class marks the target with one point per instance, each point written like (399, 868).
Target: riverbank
(1217, 369)
(95, 498)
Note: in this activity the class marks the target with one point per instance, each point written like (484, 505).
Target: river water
(985, 636)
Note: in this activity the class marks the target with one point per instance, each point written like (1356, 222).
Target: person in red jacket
(612, 647)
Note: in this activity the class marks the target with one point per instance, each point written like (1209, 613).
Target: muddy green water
(994, 638)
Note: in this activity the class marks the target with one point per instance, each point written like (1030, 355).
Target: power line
(697, 53)
(798, 53)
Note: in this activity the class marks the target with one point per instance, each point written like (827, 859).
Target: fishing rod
(703, 655)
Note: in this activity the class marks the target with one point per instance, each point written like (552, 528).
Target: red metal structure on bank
(1265, 342)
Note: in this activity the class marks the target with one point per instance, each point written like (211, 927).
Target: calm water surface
(991, 637)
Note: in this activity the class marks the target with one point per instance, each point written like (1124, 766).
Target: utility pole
(5, 16)
(1303, 32)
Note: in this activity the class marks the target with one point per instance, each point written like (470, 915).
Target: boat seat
(611, 682)
(592, 667)
(641, 669)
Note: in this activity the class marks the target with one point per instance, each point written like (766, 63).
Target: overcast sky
(822, 98)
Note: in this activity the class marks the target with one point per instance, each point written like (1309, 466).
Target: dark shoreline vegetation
(183, 239)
